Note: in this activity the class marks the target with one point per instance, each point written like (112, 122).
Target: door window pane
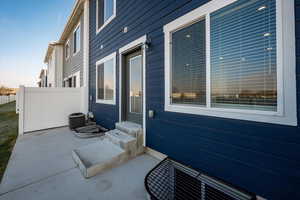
(74, 82)
(189, 65)
(135, 84)
(243, 56)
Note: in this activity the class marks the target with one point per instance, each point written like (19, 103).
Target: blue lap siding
(262, 158)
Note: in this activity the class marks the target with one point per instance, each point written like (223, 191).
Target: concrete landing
(122, 139)
(118, 145)
(97, 157)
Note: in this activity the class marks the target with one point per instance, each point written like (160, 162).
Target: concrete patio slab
(41, 168)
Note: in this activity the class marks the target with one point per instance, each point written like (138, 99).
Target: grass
(8, 133)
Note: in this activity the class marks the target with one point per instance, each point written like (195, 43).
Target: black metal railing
(170, 180)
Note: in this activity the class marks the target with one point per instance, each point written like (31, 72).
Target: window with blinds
(189, 65)
(233, 59)
(243, 72)
(243, 56)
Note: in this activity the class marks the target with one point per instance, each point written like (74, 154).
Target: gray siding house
(71, 45)
(73, 55)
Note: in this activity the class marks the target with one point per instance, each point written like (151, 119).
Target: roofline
(67, 28)
(66, 31)
(50, 48)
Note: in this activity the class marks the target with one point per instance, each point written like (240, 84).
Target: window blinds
(189, 65)
(243, 56)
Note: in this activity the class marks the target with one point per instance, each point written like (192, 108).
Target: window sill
(248, 115)
(109, 102)
(105, 24)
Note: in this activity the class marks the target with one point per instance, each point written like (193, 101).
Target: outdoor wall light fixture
(262, 8)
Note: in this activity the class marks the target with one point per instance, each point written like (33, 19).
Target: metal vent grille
(170, 180)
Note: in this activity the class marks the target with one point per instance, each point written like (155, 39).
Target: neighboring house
(54, 61)
(213, 83)
(65, 57)
(73, 53)
(43, 78)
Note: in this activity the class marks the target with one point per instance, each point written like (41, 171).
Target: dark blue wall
(262, 158)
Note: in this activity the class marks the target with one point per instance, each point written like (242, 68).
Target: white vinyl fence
(7, 99)
(44, 108)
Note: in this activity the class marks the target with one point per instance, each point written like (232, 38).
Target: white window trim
(74, 40)
(286, 67)
(140, 42)
(98, 29)
(103, 60)
(77, 75)
(67, 43)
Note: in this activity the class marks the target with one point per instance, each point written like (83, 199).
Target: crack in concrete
(37, 181)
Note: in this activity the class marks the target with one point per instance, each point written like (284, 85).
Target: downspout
(85, 89)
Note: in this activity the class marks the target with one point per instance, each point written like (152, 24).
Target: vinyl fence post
(21, 103)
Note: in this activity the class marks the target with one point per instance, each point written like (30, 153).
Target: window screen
(74, 82)
(70, 82)
(77, 40)
(108, 9)
(101, 81)
(100, 15)
(189, 65)
(105, 11)
(106, 80)
(243, 56)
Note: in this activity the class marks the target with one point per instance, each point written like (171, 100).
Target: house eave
(72, 20)
(50, 50)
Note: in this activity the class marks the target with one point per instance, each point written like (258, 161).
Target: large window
(76, 40)
(105, 80)
(225, 59)
(106, 11)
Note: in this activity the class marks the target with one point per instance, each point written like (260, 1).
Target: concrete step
(134, 130)
(130, 128)
(98, 157)
(125, 141)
